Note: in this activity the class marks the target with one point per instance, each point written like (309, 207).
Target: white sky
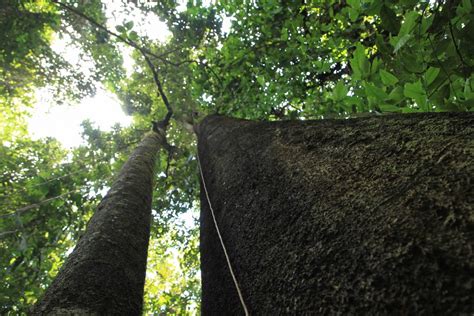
(63, 121)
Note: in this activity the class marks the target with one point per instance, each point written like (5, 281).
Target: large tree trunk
(360, 216)
(105, 273)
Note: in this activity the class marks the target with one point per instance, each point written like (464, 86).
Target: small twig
(437, 88)
(27, 187)
(456, 44)
(29, 207)
(9, 232)
(161, 93)
(118, 36)
(439, 61)
(145, 53)
(219, 79)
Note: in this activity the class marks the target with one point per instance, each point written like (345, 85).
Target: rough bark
(105, 273)
(360, 216)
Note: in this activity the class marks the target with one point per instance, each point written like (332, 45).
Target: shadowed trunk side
(105, 273)
(360, 216)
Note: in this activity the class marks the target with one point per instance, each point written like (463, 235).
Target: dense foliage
(278, 59)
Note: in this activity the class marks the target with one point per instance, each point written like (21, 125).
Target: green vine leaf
(387, 78)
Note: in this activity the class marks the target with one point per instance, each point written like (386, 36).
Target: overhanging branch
(118, 36)
(145, 53)
(160, 90)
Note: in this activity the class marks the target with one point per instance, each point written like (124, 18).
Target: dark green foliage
(339, 58)
(44, 207)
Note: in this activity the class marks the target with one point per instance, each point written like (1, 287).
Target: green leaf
(415, 91)
(133, 36)
(360, 63)
(467, 5)
(383, 48)
(284, 34)
(431, 74)
(276, 10)
(408, 23)
(340, 91)
(426, 23)
(120, 29)
(468, 89)
(387, 78)
(441, 95)
(23, 244)
(353, 14)
(354, 3)
(412, 63)
(390, 21)
(396, 95)
(375, 66)
(375, 92)
(129, 25)
(373, 8)
(401, 41)
(469, 104)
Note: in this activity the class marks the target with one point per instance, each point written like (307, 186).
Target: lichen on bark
(359, 216)
(105, 273)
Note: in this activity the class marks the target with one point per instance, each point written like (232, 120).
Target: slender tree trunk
(363, 216)
(105, 273)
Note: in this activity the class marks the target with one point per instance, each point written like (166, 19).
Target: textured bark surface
(361, 216)
(105, 273)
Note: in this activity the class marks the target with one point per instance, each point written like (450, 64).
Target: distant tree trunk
(361, 216)
(105, 273)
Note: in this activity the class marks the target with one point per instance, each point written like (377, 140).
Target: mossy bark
(360, 216)
(105, 273)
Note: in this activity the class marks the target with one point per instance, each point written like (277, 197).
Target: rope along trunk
(244, 306)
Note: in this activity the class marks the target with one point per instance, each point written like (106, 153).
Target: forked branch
(146, 53)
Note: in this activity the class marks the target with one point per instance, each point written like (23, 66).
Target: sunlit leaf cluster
(316, 59)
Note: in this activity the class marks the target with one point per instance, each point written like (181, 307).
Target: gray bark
(105, 273)
(360, 216)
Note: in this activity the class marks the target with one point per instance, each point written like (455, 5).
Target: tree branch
(456, 44)
(145, 53)
(31, 206)
(118, 36)
(160, 90)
